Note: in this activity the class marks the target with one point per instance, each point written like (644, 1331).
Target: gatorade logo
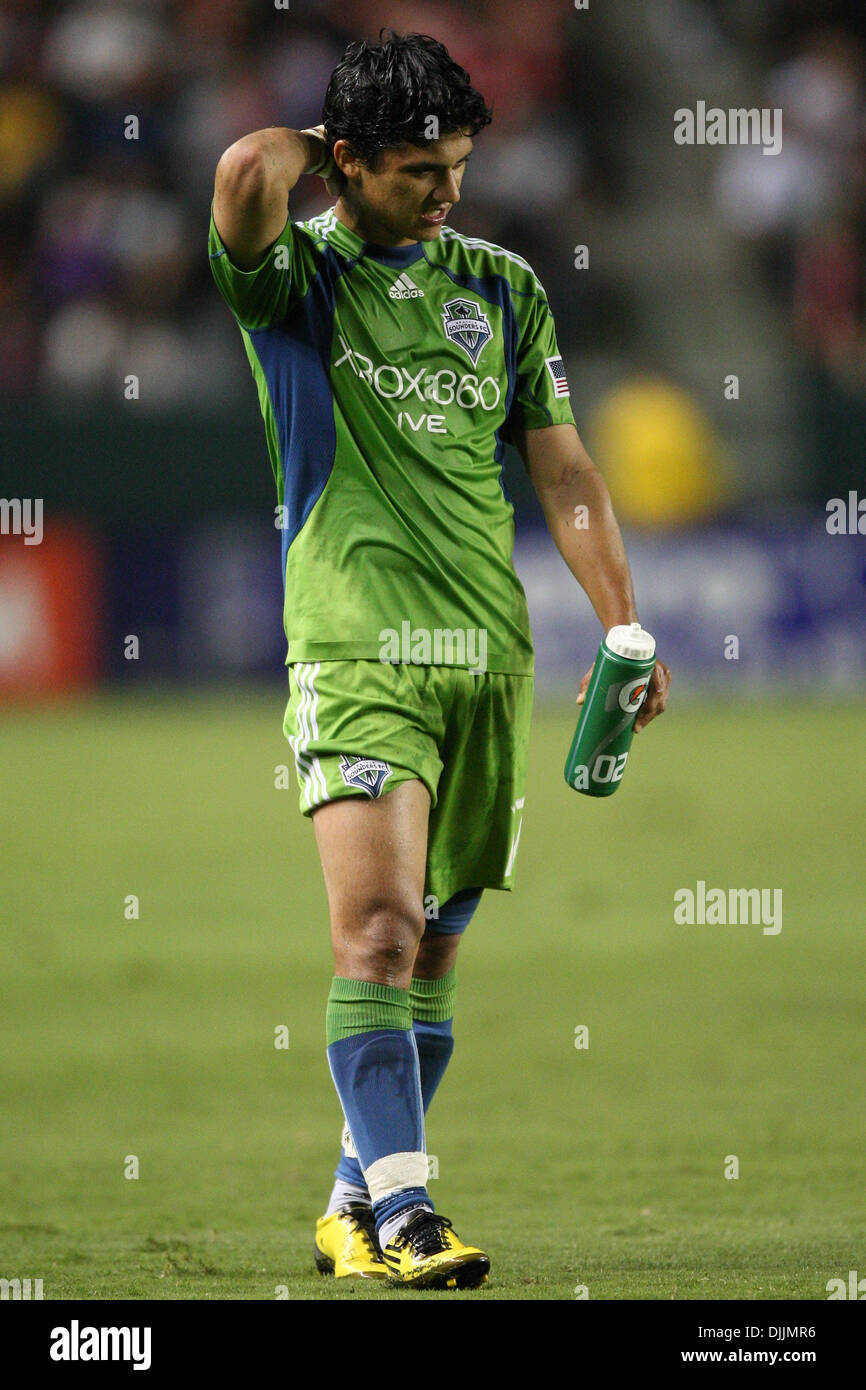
(631, 696)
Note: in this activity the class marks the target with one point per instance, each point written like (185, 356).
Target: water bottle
(617, 688)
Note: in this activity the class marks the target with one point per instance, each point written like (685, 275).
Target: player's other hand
(657, 695)
(584, 684)
(326, 168)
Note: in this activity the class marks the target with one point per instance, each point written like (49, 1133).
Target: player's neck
(365, 228)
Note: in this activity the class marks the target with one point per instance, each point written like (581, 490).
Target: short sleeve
(541, 395)
(261, 297)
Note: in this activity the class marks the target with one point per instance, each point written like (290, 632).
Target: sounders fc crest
(368, 774)
(467, 325)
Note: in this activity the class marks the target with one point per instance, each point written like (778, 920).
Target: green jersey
(389, 379)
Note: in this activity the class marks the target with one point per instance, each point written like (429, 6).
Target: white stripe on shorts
(301, 738)
(309, 769)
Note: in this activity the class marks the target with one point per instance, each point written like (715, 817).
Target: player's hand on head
(326, 169)
(657, 696)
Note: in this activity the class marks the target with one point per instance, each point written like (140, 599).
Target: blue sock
(374, 1062)
(435, 1044)
(377, 1076)
(429, 1000)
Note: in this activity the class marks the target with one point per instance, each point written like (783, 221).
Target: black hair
(383, 94)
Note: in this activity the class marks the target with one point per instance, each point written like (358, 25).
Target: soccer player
(394, 357)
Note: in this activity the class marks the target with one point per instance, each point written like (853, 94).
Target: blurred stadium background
(703, 262)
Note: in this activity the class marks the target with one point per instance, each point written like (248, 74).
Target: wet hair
(383, 94)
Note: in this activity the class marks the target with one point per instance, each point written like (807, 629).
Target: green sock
(433, 1001)
(360, 1006)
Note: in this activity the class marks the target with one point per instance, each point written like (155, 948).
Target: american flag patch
(556, 368)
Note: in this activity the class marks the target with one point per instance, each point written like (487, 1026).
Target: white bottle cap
(630, 641)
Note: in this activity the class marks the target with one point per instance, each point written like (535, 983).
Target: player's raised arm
(580, 518)
(253, 180)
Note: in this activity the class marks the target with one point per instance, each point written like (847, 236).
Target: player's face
(410, 193)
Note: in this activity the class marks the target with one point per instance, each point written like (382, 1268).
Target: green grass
(602, 1167)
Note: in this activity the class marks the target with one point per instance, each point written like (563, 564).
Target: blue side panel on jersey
(499, 457)
(295, 356)
(496, 290)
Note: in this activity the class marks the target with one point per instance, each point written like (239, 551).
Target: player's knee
(385, 939)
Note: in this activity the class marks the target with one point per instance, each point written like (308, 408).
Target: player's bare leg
(373, 855)
(436, 956)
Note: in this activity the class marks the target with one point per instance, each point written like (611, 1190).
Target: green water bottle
(617, 688)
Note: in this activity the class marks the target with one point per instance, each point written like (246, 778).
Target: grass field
(602, 1167)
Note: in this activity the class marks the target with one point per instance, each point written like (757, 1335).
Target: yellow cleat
(427, 1254)
(346, 1244)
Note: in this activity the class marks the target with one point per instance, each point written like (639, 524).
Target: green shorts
(360, 728)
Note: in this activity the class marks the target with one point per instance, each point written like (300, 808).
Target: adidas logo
(404, 288)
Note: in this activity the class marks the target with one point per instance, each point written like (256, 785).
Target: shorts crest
(369, 774)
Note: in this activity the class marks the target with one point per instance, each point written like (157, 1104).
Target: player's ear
(346, 160)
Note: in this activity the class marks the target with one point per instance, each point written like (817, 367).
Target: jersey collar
(347, 241)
